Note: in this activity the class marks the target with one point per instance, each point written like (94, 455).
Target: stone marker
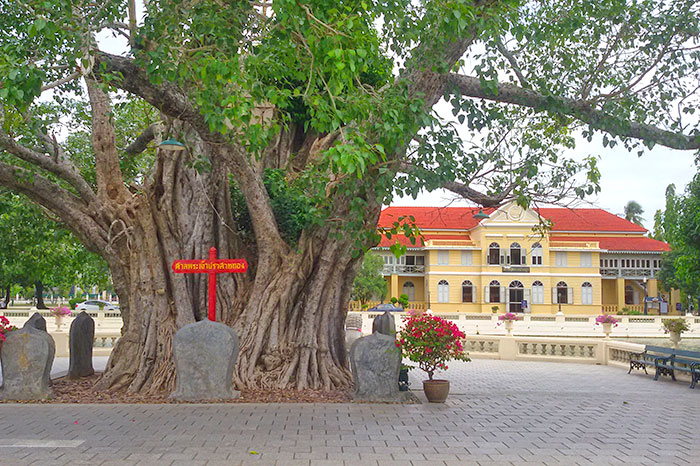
(26, 357)
(384, 324)
(37, 321)
(205, 354)
(375, 361)
(81, 337)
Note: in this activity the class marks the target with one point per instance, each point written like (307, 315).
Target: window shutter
(503, 295)
(474, 300)
(508, 258)
(507, 297)
(523, 257)
(554, 295)
(526, 297)
(487, 295)
(503, 259)
(570, 295)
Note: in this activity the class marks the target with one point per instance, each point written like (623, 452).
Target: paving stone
(508, 413)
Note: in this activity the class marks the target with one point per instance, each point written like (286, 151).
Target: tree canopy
(299, 120)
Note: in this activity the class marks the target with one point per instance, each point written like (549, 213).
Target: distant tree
(679, 225)
(369, 282)
(633, 212)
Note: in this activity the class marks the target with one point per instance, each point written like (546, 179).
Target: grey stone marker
(205, 354)
(375, 361)
(27, 357)
(385, 324)
(37, 321)
(81, 337)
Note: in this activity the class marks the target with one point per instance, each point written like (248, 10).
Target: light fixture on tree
(172, 144)
(481, 215)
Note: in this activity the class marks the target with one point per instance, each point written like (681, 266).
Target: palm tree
(633, 212)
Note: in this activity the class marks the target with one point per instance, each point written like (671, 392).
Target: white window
(536, 254)
(443, 291)
(537, 292)
(466, 258)
(586, 293)
(409, 290)
(560, 259)
(586, 259)
(443, 258)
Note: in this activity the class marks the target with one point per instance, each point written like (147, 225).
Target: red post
(212, 287)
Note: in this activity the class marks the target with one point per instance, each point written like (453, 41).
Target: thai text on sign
(211, 266)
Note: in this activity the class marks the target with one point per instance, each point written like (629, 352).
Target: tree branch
(507, 93)
(513, 62)
(62, 203)
(142, 140)
(110, 183)
(166, 96)
(59, 166)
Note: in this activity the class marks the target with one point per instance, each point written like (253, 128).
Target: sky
(624, 177)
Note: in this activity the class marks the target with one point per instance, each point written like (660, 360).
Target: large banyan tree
(299, 119)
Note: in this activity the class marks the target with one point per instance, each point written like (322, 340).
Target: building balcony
(627, 273)
(403, 269)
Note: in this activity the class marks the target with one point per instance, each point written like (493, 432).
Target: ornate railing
(399, 269)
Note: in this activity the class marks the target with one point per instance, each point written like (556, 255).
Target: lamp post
(644, 282)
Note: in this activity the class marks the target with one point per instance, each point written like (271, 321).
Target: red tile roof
(587, 220)
(433, 218)
(461, 218)
(620, 243)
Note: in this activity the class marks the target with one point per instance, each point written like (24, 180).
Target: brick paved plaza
(499, 412)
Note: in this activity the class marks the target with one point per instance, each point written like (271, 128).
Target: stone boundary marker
(205, 355)
(81, 336)
(26, 356)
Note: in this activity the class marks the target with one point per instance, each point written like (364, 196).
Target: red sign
(211, 267)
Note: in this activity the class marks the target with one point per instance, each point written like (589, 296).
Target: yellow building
(589, 260)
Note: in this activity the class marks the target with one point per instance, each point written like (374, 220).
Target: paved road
(499, 412)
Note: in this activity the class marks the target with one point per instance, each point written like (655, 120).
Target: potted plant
(674, 327)
(5, 328)
(494, 309)
(59, 312)
(608, 322)
(432, 341)
(508, 318)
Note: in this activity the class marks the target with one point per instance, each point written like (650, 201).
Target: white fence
(108, 327)
(548, 325)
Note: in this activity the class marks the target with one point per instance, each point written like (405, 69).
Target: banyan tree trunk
(288, 309)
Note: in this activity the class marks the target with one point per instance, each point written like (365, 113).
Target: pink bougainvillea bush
(431, 341)
(60, 311)
(5, 327)
(606, 319)
(508, 317)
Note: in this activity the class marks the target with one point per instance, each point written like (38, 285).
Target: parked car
(95, 305)
(385, 307)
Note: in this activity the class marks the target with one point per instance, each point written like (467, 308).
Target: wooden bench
(666, 361)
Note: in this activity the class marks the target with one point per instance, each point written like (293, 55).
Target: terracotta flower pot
(436, 391)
